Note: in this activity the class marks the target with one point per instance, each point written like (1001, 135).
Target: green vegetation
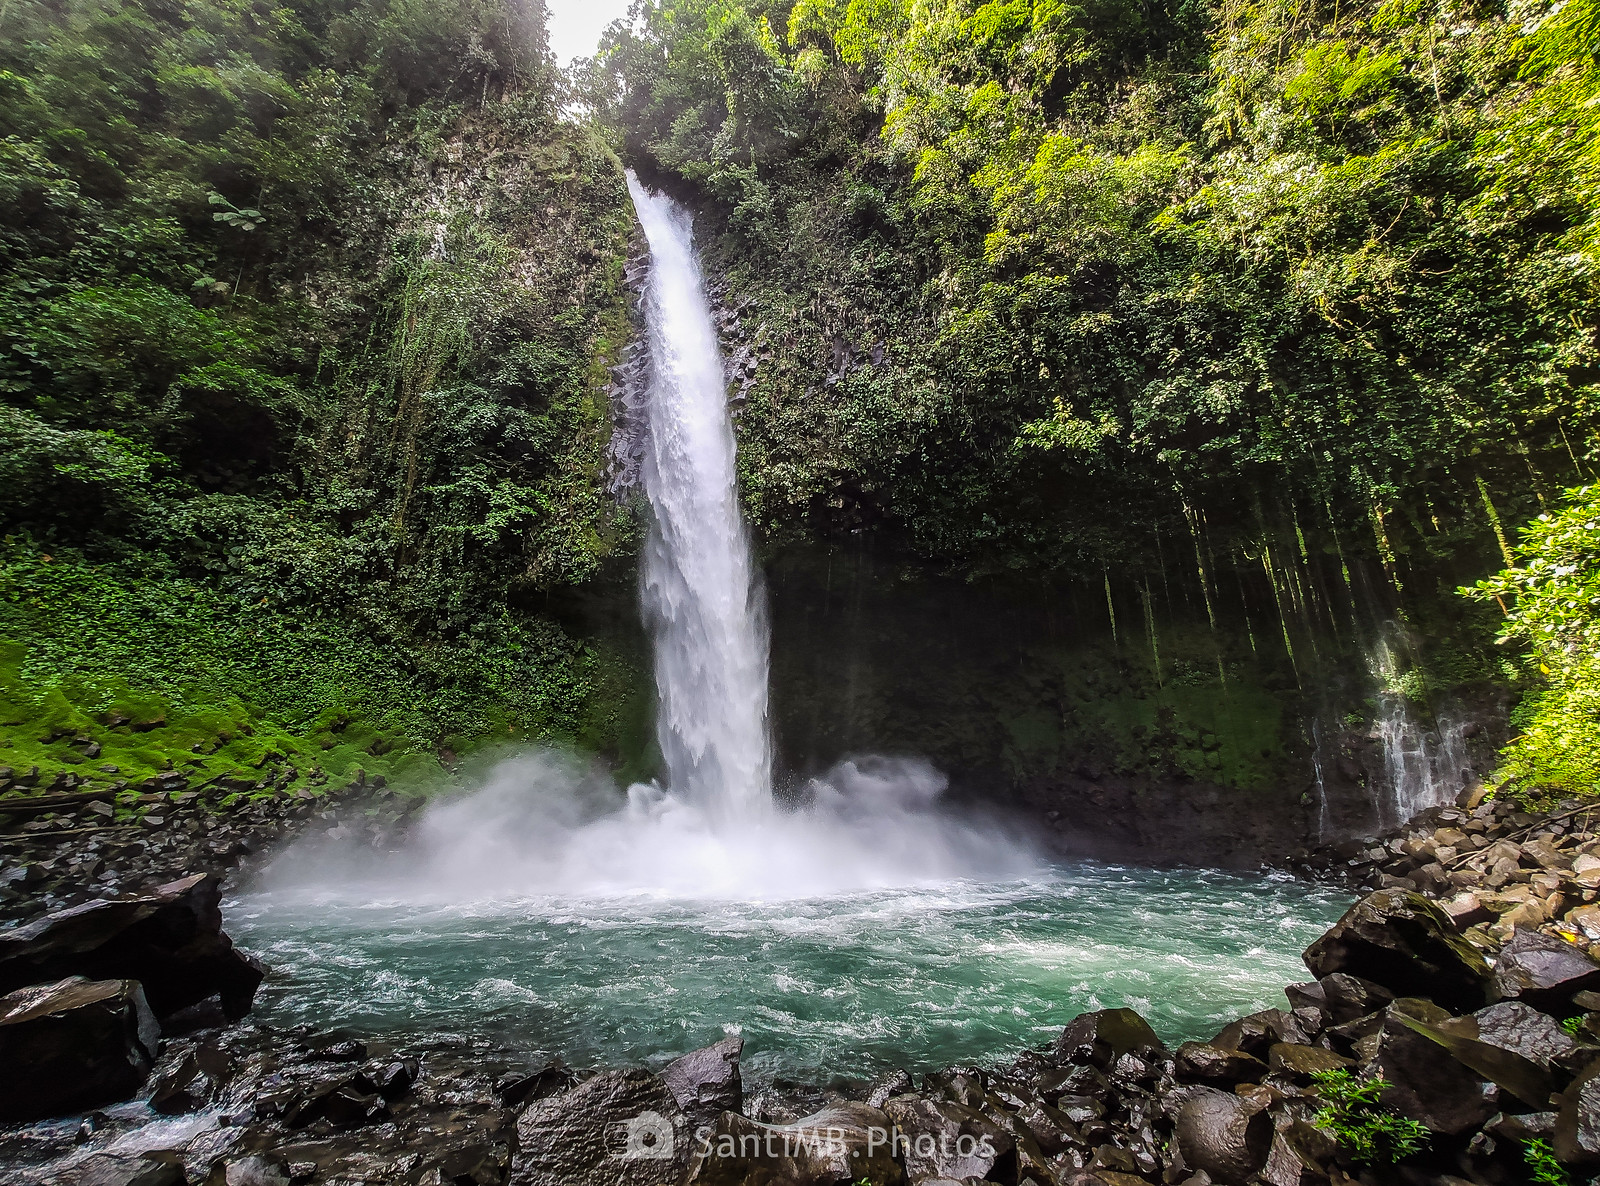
(1544, 1167)
(1265, 315)
(1249, 326)
(1349, 1111)
(304, 319)
(1552, 605)
(1239, 280)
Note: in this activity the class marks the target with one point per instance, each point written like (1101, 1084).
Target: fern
(1351, 1113)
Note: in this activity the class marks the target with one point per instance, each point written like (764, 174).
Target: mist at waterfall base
(867, 929)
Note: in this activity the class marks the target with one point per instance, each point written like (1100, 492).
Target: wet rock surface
(73, 1044)
(1487, 1034)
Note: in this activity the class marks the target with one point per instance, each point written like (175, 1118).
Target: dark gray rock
(619, 1127)
(1051, 1128)
(1309, 995)
(189, 1081)
(706, 1082)
(1257, 1033)
(1577, 1129)
(1201, 1062)
(107, 1169)
(1223, 1135)
(72, 1045)
(252, 1169)
(1300, 1153)
(1348, 997)
(1513, 1025)
(517, 1089)
(885, 1089)
(1448, 1097)
(1543, 971)
(842, 1145)
(170, 940)
(1408, 945)
(1100, 1038)
(940, 1139)
(1300, 1063)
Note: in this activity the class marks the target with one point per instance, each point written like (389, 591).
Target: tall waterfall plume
(700, 596)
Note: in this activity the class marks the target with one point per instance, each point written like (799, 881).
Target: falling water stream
(863, 925)
(698, 592)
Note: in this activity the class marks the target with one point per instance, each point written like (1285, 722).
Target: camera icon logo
(649, 1138)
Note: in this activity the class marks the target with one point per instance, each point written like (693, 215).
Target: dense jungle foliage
(1268, 319)
(305, 310)
(1290, 301)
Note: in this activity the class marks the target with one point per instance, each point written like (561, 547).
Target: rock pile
(85, 850)
(1495, 869)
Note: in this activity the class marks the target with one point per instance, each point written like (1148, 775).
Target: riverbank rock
(170, 940)
(72, 1045)
(1543, 971)
(844, 1145)
(1224, 1135)
(106, 1169)
(619, 1127)
(706, 1083)
(1424, 1083)
(943, 1140)
(1100, 1038)
(1201, 1062)
(1407, 945)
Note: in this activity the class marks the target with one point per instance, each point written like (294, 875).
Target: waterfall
(544, 824)
(699, 593)
(1423, 767)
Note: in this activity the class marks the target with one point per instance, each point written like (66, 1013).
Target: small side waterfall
(700, 596)
(1423, 766)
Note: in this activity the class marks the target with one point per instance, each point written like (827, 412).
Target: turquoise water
(842, 986)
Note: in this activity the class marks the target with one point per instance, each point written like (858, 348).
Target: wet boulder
(1224, 1135)
(72, 1045)
(1257, 1033)
(1348, 997)
(1201, 1062)
(885, 1089)
(939, 1139)
(1300, 1063)
(842, 1145)
(1577, 1127)
(516, 1089)
(110, 1169)
(1515, 1026)
(620, 1127)
(390, 1078)
(1100, 1038)
(706, 1082)
(1406, 944)
(1051, 1129)
(189, 1081)
(251, 1169)
(1543, 971)
(338, 1102)
(170, 940)
(1427, 1079)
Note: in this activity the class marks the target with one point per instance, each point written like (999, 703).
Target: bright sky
(576, 25)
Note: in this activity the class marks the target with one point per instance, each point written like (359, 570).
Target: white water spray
(698, 592)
